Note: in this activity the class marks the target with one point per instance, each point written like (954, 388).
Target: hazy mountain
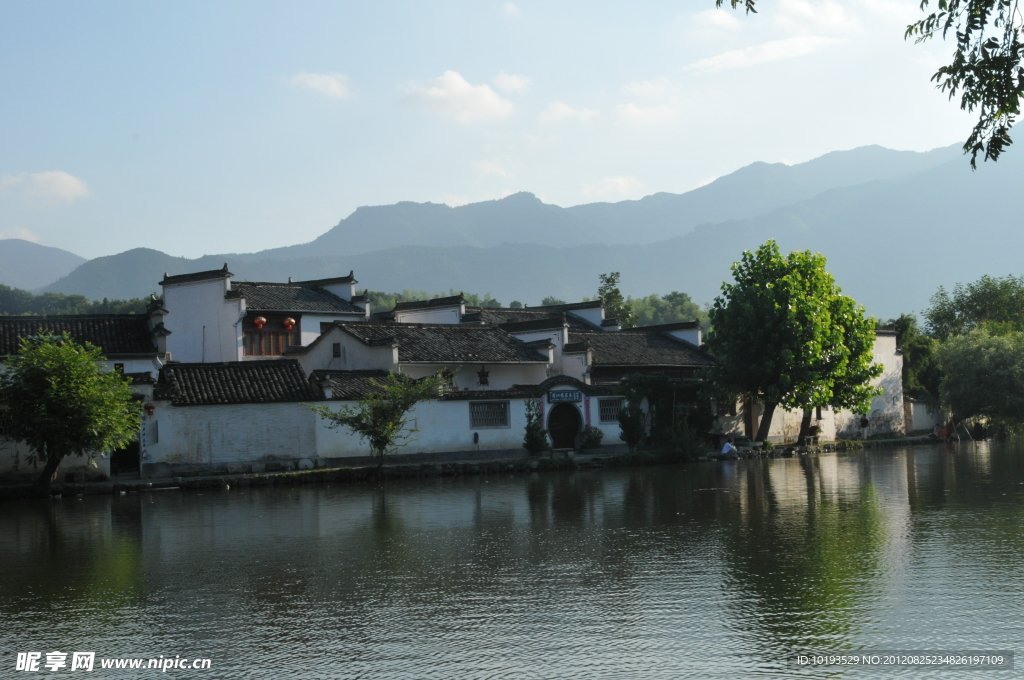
(890, 242)
(523, 218)
(28, 265)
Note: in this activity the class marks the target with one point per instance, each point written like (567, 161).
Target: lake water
(714, 570)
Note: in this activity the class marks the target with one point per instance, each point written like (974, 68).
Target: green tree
(380, 417)
(615, 306)
(59, 402)
(983, 375)
(783, 334)
(551, 300)
(989, 300)
(515, 304)
(986, 69)
(921, 374)
(17, 302)
(671, 308)
(535, 439)
(632, 425)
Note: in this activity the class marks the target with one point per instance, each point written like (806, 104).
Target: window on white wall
(609, 409)
(488, 414)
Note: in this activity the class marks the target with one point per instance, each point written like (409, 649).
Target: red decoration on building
(289, 323)
(150, 407)
(260, 321)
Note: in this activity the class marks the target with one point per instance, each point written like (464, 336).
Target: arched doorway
(563, 425)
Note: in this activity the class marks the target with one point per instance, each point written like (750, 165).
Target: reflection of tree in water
(801, 561)
(76, 562)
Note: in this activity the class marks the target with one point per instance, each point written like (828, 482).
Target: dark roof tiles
(450, 301)
(283, 297)
(236, 382)
(197, 276)
(638, 348)
(446, 343)
(115, 334)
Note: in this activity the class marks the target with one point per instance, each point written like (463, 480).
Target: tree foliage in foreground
(783, 334)
(986, 69)
(983, 375)
(381, 418)
(17, 302)
(671, 308)
(615, 305)
(58, 401)
(989, 300)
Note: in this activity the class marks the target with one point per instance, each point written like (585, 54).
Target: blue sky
(212, 127)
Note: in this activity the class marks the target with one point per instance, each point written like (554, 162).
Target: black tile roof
(235, 382)
(284, 297)
(677, 326)
(499, 316)
(541, 324)
(197, 276)
(326, 282)
(637, 347)
(141, 378)
(350, 384)
(446, 343)
(115, 334)
(449, 301)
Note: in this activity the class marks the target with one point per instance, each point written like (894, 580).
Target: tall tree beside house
(989, 300)
(783, 334)
(983, 375)
(381, 417)
(921, 374)
(615, 305)
(59, 402)
(670, 308)
(987, 68)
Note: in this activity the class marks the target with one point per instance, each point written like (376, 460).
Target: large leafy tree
(58, 400)
(381, 417)
(985, 70)
(983, 375)
(615, 306)
(989, 300)
(783, 334)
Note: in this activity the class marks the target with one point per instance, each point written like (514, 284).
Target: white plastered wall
(446, 315)
(355, 355)
(235, 433)
(204, 325)
(501, 376)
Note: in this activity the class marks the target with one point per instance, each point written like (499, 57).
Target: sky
(212, 127)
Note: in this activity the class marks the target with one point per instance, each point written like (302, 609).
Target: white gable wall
(355, 356)
(204, 325)
(502, 376)
(447, 315)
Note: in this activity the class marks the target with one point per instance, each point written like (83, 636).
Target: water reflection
(718, 570)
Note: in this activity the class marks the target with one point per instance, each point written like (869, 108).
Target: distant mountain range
(28, 265)
(894, 225)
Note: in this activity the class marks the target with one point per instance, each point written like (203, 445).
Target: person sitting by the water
(729, 449)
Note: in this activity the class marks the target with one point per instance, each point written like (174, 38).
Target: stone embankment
(335, 475)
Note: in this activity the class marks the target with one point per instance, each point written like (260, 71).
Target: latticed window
(609, 409)
(268, 343)
(488, 414)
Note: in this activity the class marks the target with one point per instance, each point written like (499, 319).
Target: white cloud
(715, 20)
(451, 96)
(486, 167)
(648, 88)
(557, 111)
(774, 50)
(53, 185)
(333, 85)
(613, 186)
(18, 232)
(511, 10)
(509, 83)
(800, 16)
(638, 115)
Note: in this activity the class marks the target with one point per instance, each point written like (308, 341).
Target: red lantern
(289, 323)
(259, 321)
(150, 407)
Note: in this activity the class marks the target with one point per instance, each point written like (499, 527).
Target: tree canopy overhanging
(986, 69)
(784, 334)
